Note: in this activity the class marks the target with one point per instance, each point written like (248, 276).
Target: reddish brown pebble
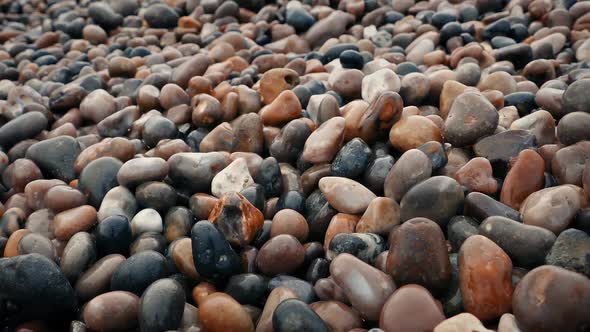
(485, 273)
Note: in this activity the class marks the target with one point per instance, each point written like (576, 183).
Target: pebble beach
(295, 166)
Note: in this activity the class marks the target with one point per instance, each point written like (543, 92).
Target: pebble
(526, 245)
(36, 283)
(345, 195)
(139, 271)
(324, 143)
(565, 201)
(213, 256)
(481, 259)
(190, 145)
(295, 315)
(117, 310)
(408, 262)
(237, 319)
(237, 219)
(282, 254)
(399, 311)
(569, 251)
(524, 178)
(437, 198)
(413, 131)
(161, 306)
(554, 284)
(411, 168)
(470, 118)
(366, 287)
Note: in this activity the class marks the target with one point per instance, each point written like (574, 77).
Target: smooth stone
(248, 134)
(365, 246)
(352, 159)
(437, 198)
(524, 178)
(399, 312)
(235, 177)
(237, 219)
(436, 152)
(61, 198)
(295, 315)
(67, 223)
(409, 262)
(553, 208)
(104, 16)
(459, 229)
(38, 244)
(481, 206)
(36, 283)
(178, 222)
(161, 306)
(328, 290)
(195, 170)
(284, 108)
(213, 256)
(304, 290)
(98, 105)
(345, 195)
(411, 168)
(526, 245)
(464, 322)
(119, 148)
(139, 271)
(540, 123)
(28, 125)
(247, 288)
(470, 118)
(269, 176)
(482, 260)
(366, 287)
(181, 251)
(381, 80)
(112, 311)
(508, 323)
(572, 128)
(78, 255)
(338, 316)
(500, 148)
(113, 235)
(98, 177)
(234, 317)
(347, 83)
(276, 296)
(118, 123)
(291, 140)
(161, 16)
(569, 162)
(290, 222)
(282, 254)
(413, 131)
(275, 81)
(55, 157)
(139, 170)
(324, 143)
(565, 294)
(156, 195)
(570, 251)
(340, 223)
(575, 99)
(381, 216)
(146, 220)
(97, 279)
(476, 175)
(117, 201)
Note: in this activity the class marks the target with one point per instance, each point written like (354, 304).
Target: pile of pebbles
(248, 165)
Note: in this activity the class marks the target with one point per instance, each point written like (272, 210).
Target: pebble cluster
(323, 165)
